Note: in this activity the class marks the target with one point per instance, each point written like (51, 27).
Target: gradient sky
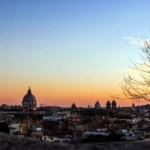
(68, 51)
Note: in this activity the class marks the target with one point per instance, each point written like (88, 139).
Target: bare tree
(136, 86)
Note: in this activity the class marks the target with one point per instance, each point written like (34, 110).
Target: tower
(114, 104)
(133, 105)
(108, 105)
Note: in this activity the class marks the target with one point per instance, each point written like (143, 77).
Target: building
(133, 105)
(108, 105)
(29, 101)
(97, 104)
(74, 106)
(114, 104)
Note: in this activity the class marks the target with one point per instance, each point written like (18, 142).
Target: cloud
(137, 42)
(128, 70)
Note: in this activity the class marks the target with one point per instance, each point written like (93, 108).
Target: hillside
(16, 143)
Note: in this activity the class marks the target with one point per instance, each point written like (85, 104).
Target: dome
(113, 102)
(108, 102)
(29, 98)
(97, 104)
(133, 105)
(73, 106)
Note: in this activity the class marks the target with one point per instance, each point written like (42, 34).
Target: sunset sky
(69, 50)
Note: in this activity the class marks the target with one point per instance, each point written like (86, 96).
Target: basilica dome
(29, 97)
(29, 100)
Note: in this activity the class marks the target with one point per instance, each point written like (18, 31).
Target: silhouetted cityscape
(75, 124)
(88, 66)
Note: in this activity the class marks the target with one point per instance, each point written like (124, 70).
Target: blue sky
(69, 41)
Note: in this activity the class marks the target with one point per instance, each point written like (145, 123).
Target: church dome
(108, 102)
(29, 98)
(97, 104)
(133, 105)
(73, 106)
(114, 102)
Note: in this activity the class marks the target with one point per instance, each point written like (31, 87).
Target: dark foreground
(15, 143)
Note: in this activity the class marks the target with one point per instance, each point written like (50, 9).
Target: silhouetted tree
(137, 85)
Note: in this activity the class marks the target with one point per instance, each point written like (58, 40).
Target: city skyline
(69, 51)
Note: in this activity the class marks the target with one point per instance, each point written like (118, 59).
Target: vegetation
(4, 127)
(136, 85)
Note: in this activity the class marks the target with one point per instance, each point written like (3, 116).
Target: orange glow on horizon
(60, 95)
